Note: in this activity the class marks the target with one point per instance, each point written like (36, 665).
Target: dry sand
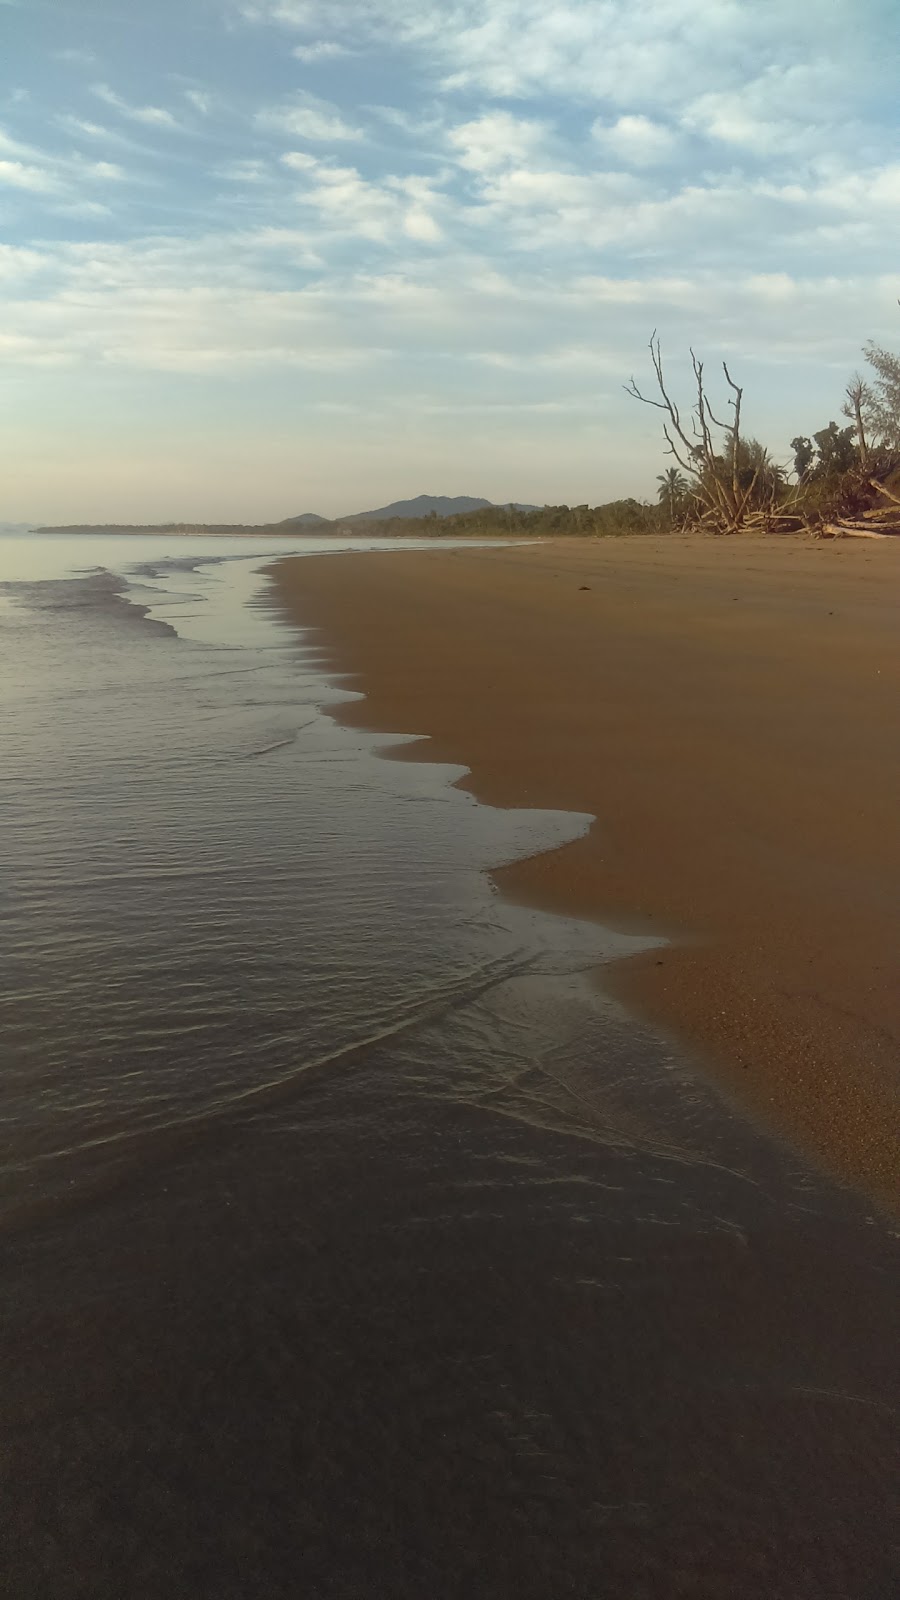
(729, 710)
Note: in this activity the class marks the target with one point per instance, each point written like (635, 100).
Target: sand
(729, 711)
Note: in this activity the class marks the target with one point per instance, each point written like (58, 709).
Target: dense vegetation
(838, 479)
(496, 522)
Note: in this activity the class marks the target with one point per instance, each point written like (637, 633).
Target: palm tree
(673, 487)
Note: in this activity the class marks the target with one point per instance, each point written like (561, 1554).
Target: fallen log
(855, 530)
(874, 484)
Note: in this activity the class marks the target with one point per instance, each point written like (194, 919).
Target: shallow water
(356, 1243)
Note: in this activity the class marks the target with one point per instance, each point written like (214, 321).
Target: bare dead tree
(722, 501)
(858, 400)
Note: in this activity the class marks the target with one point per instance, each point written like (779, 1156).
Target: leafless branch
(716, 475)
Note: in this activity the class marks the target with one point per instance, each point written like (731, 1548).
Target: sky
(259, 257)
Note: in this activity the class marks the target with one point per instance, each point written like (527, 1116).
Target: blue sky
(263, 256)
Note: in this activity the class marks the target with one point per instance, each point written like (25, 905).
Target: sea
(354, 1242)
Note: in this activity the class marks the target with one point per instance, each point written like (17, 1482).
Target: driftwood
(877, 522)
(856, 530)
(874, 484)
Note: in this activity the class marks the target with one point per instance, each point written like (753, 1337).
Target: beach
(728, 711)
(356, 1240)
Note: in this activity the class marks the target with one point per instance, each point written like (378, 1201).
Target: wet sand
(729, 710)
(496, 1303)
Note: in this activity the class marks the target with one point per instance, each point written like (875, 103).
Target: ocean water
(354, 1242)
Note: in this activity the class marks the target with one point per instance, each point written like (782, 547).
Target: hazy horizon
(268, 256)
(29, 524)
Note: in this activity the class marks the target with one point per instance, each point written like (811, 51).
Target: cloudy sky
(264, 256)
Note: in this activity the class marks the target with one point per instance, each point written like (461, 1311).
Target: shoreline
(728, 711)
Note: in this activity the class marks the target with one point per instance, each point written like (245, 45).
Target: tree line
(504, 522)
(839, 479)
(843, 478)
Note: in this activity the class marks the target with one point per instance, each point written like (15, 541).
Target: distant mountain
(423, 505)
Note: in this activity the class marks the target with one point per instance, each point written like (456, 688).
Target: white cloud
(82, 128)
(14, 147)
(290, 246)
(636, 140)
(661, 51)
(90, 130)
(199, 305)
(106, 170)
(874, 193)
(16, 262)
(17, 175)
(83, 208)
(497, 140)
(797, 108)
(307, 117)
(200, 100)
(347, 204)
(43, 173)
(305, 14)
(322, 50)
(425, 130)
(419, 223)
(245, 171)
(150, 116)
(162, 306)
(551, 210)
